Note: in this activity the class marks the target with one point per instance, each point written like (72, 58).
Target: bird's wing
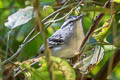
(60, 36)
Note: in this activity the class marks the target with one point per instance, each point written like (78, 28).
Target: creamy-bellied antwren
(66, 40)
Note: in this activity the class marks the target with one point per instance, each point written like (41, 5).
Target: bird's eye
(42, 51)
(6, 20)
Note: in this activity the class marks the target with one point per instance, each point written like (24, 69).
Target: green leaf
(100, 33)
(1, 4)
(46, 10)
(60, 68)
(30, 49)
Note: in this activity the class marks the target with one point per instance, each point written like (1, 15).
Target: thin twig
(53, 21)
(41, 29)
(90, 31)
(19, 49)
(56, 15)
(35, 37)
(92, 28)
(22, 45)
(28, 35)
(14, 55)
(114, 32)
(32, 38)
(8, 37)
(62, 8)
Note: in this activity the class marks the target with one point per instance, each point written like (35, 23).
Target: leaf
(117, 1)
(1, 4)
(97, 55)
(22, 16)
(30, 49)
(87, 63)
(99, 34)
(60, 68)
(46, 10)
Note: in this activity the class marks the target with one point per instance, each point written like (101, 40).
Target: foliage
(20, 34)
(61, 69)
(100, 34)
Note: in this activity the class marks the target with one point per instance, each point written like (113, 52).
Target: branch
(42, 31)
(93, 27)
(89, 33)
(52, 14)
(25, 40)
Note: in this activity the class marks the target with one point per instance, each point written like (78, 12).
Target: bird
(66, 40)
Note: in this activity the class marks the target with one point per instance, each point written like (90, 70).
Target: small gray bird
(66, 40)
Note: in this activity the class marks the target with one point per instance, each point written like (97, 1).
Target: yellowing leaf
(100, 33)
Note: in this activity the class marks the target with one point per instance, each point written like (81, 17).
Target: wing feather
(60, 36)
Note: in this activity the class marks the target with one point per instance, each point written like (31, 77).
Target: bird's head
(72, 18)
